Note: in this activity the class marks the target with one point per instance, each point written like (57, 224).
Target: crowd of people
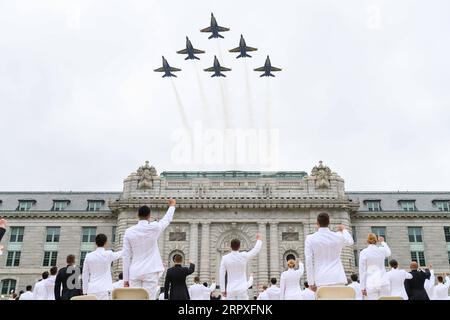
(143, 268)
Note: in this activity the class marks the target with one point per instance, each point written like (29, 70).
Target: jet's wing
(210, 69)
(275, 69)
(250, 49)
(184, 51)
(260, 69)
(223, 29)
(160, 69)
(198, 51)
(174, 69)
(208, 29)
(224, 69)
(238, 49)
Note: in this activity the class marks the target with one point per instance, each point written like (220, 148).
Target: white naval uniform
(161, 296)
(290, 284)
(263, 295)
(40, 292)
(440, 291)
(50, 287)
(396, 278)
(142, 264)
(357, 287)
(26, 296)
(372, 270)
(429, 284)
(198, 291)
(234, 265)
(208, 290)
(323, 257)
(273, 292)
(308, 294)
(96, 275)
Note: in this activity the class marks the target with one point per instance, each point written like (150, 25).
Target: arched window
(171, 263)
(8, 285)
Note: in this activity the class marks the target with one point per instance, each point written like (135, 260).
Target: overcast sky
(364, 87)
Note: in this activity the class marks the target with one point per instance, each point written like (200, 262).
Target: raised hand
(258, 236)
(380, 239)
(3, 223)
(172, 202)
(340, 227)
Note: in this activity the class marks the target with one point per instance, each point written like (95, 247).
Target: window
(25, 205)
(442, 205)
(289, 236)
(60, 205)
(380, 232)
(13, 259)
(16, 234)
(415, 234)
(408, 205)
(52, 234)
(177, 236)
(94, 205)
(448, 253)
(419, 257)
(88, 234)
(8, 285)
(373, 205)
(113, 235)
(447, 234)
(355, 254)
(354, 234)
(50, 258)
(82, 257)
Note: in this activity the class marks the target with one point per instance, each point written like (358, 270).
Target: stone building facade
(215, 207)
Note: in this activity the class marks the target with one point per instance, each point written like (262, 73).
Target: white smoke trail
(180, 107)
(268, 113)
(224, 105)
(248, 95)
(205, 110)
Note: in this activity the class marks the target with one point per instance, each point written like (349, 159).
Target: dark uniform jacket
(175, 285)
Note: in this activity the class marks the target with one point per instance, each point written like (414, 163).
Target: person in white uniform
(161, 294)
(96, 275)
(323, 254)
(199, 291)
(273, 292)
(27, 295)
(234, 265)
(371, 268)
(263, 294)
(119, 283)
(208, 290)
(39, 292)
(142, 264)
(50, 283)
(308, 294)
(429, 283)
(356, 286)
(396, 278)
(440, 291)
(290, 282)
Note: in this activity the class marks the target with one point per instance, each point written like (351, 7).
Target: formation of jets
(217, 69)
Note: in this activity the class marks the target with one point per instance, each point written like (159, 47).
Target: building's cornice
(58, 214)
(236, 203)
(374, 215)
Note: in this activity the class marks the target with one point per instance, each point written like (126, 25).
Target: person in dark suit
(415, 286)
(175, 285)
(69, 279)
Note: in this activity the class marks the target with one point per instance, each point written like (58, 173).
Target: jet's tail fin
(197, 58)
(244, 56)
(218, 75)
(211, 36)
(169, 75)
(220, 36)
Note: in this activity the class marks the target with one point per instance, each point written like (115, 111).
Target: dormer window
(373, 205)
(60, 205)
(25, 205)
(95, 205)
(408, 205)
(442, 205)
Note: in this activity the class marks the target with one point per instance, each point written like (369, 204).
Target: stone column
(274, 256)
(193, 245)
(205, 255)
(263, 277)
